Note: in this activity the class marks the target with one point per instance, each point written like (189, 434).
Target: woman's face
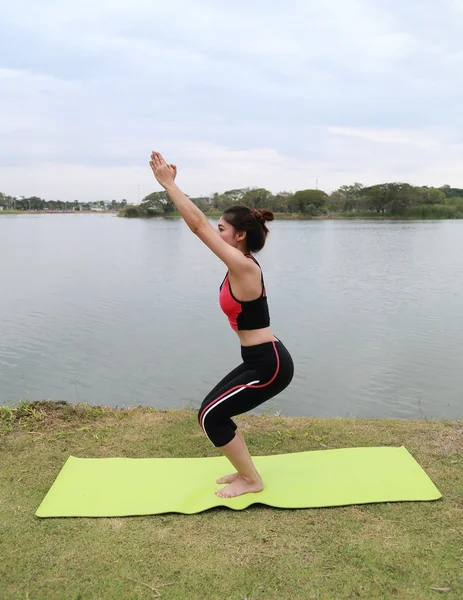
(227, 232)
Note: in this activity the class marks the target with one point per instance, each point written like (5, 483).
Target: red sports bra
(251, 314)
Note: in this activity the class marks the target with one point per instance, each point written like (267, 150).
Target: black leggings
(266, 370)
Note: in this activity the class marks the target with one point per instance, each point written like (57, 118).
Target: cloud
(236, 94)
(390, 136)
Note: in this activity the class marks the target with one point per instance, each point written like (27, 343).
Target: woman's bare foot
(228, 478)
(241, 486)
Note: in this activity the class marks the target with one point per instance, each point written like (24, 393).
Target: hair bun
(267, 215)
(258, 215)
(263, 215)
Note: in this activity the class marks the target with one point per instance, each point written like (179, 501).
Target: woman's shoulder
(253, 269)
(253, 258)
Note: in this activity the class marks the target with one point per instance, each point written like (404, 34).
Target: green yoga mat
(117, 487)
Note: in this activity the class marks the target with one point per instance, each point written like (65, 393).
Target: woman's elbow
(198, 225)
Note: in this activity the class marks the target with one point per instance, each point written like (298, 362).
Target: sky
(237, 94)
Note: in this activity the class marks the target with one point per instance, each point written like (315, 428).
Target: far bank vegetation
(381, 200)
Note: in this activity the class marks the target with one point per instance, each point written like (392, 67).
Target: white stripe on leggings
(222, 400)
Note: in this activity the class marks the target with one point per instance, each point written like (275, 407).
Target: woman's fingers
(159, 166)
(174, 169)
(157, 162)
(155, 159)
(160, 159)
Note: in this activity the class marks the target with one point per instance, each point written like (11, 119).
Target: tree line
(39, 204)
(384, 199)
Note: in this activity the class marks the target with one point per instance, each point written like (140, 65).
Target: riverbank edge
(302, 217)
(32, 415)
(59, 212)
(218, 214)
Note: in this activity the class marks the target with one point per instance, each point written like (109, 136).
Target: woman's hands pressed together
(164, 173)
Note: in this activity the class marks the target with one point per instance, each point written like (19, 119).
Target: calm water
(122, 312)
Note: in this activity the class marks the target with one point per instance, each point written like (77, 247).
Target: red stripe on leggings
(236, 387)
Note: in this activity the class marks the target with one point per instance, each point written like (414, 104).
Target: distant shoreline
(57, 212)
(302, 217)
(217, 214)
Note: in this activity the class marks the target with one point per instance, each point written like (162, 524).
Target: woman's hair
(252, 221)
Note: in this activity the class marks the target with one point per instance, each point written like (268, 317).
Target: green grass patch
(435, 211)
(406, 551)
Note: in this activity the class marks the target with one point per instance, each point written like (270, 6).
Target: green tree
(256, 198)
(132, 211)
(390, 197)
(235, 196)
(201, 203)
(228, 198)
(403, 195)
(157, 202)
(308, 201)
(215, 200)
(445, 189)
(278, 203)
(377, 197)
(347, 198)
(451, 192)
(18, 203)
(431, 196)
(36, 203)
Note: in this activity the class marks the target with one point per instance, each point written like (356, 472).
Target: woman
(267, 366)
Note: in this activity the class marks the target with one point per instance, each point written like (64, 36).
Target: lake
(120, 312)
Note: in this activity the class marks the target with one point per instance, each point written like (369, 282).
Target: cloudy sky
(237, 94)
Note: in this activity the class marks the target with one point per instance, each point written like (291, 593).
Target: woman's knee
(202, 408)
(219, 433)
(218, 428)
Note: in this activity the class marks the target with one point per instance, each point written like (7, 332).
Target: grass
(406, 551)
(436, 211)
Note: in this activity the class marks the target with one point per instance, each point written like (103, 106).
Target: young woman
(267, 366)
